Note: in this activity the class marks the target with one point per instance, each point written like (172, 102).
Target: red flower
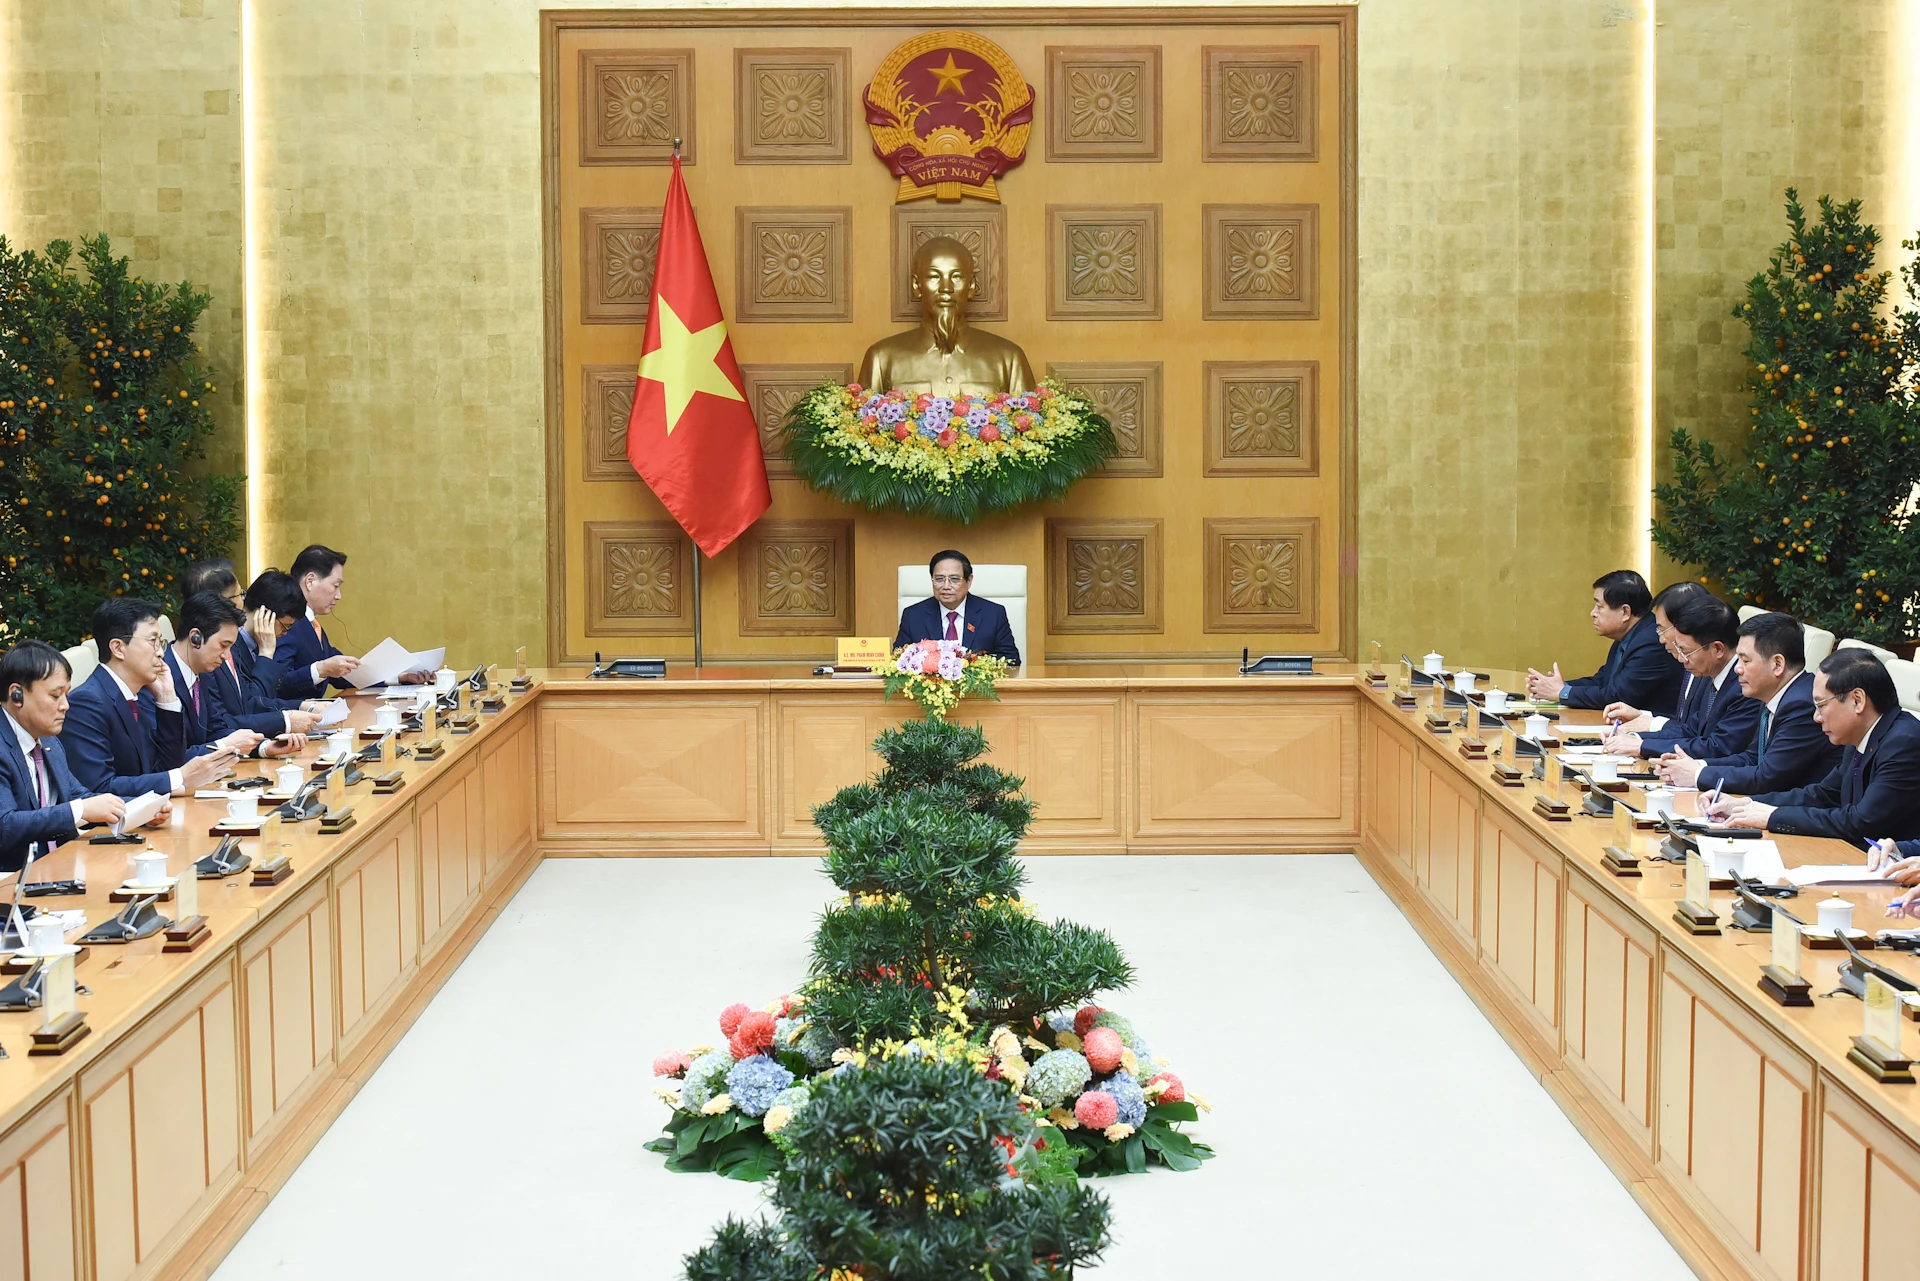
(755, 1033)
(946, 438)
(901, 431)
(1083, 1019)
(1096, 1110)
(930, 662)
(990, 433)
(854, 389)
(731, 1016)
(1102, 1047)
(1176, 1091)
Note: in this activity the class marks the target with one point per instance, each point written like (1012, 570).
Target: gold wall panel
(1237, 768)
(1263, 418)
(633, 104)
(639, 578)
(1262, 262)
(802, 578)
(1104, 575)
(619, 248)
(1103, 222)
(606, 406)
(771, 391)
(1262, 104)
(1261, 573)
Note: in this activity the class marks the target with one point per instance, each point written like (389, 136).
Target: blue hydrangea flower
(706, 1076)
(1061, 1022)
(818, 1045)
(785, 1031)
(754, 1083)
(794, 1097)
(1057, 1076)
(1126, 1092)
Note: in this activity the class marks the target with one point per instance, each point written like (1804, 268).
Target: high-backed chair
(83, 658)
(1819, 641)
(1002, 584)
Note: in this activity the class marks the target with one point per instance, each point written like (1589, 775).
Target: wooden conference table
(148, 1147)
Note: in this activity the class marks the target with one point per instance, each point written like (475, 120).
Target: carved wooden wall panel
(772, 391)
(802, 578)
(638, 573)
(1103, 575)
(1263, 418)
(1262, 262)
(1262, 574)
(619, 248)
(1191, 171)
(981, 228)
(1103, 103)
(791, 107)
(1128, 394)
(606, 405)
(1262, 104)
(793, 263)
(634, 103)
(1103, 262)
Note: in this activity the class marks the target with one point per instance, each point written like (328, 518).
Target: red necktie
(952, 634)
(196, 700)
(133, 706)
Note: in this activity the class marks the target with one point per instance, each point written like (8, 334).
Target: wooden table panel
(37, 1221)
(1609, 994)
(1446, 821)
(377, 907)
(1520, 916)
(286, 974)
(507, 774)
(1869, 1196)
(824, 744)
(1387, 788)
(1070, 753)
(449, 852)
(1248, 766)
(621, 769)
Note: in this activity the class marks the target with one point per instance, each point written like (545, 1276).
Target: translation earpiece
(193, 638)
(16, 696)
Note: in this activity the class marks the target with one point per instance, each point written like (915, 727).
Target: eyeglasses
(948, 580)
(1682, 652)
(1819, 703)
(150, 638)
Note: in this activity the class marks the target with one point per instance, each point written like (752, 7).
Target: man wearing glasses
(1716, 718)
(979, 624)
(113, 743)
(1874, 790)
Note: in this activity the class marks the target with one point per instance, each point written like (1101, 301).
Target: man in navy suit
(1715, 718)
(112, 742)
(245, 704)
(307, 658)
(208, 628)
(41, 803)
(1874, 789)
(950, 613)
(1789, 749)
(1638, 672)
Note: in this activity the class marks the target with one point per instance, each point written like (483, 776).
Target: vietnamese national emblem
(949, 112)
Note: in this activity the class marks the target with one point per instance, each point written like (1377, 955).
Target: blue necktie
(1760, 744)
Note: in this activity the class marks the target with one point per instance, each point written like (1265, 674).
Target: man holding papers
(113, 744)
(41, 803)
(308, 660)
(1874, 790)
(1789, 749)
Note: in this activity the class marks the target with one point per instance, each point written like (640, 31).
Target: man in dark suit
(1638, 672)
(244, 704)
(307, 658)
(112, 743)
(1874, 790)
(1789, 749)
(41, 803)
(208, 628)
(950, 613)
(1715, 718)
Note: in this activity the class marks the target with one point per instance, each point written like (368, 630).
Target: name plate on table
(389, 779)
(1619, 857)
(1472, 747)
(189, 929)
(1549, 805)
(429, 748)
(62, 1025)
(520, 678)
(862, 651)
(1695, 914)
(1781, 979)
(1505, 772)
(1876, 1051)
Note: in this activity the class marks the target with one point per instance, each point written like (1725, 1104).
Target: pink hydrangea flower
(1096, 1109)
(1103, 1047)
(1174, 1092)
(731, 1016)
(672, 1063)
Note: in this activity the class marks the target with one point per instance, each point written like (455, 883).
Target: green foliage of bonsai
(900, 1172)
(102, 414)
(926, 850)
(1813, 519)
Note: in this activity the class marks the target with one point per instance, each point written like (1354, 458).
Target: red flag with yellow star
(691, 436)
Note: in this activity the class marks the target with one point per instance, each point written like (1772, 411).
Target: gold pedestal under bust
(943, 354)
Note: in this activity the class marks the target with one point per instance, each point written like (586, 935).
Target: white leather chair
(1884, 655)
(83, 658)
(1750, 611)
(1819, 642)
(1004, 585)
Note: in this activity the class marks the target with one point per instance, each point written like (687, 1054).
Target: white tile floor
(479, 1151)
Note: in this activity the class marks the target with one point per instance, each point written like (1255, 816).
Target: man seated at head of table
(980, 625)
(113, 742)
(245, 704)
(1873, 791)
(308, 660)
(42, 804)
(1638, 672)
(1789, 749)
(208, 628)
(1715, 718)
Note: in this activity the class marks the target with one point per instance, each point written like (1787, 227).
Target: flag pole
(698, 556)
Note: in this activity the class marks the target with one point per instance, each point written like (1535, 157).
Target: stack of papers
(1834, 874)
(140, 812)
(332, 712)
(390, 660)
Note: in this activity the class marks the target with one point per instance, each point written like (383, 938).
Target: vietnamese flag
(691, 436)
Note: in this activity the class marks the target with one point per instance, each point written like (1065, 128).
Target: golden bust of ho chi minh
(944, 354)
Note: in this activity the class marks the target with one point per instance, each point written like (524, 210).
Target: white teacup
(288, 778)
(445, 679)
(45, 934)
(1606, 770)
(1836, 915)
(386, 716)
(245, 805)
(149, 867)
(1537, 726)
(1433, 664)
(339, 745)
(1496, 701)
(1660, 802)
(1463, 682)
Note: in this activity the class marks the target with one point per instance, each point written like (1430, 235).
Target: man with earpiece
(41, 803)
(118, 742)
(209, 625)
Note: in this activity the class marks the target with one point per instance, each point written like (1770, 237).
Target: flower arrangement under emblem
(937, 674)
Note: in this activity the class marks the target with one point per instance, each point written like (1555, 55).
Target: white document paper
(1834, 874)
(427, 660)
(332, 712)
(390, 660)
(140, 811)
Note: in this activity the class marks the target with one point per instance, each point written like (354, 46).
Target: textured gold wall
(401, 297)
